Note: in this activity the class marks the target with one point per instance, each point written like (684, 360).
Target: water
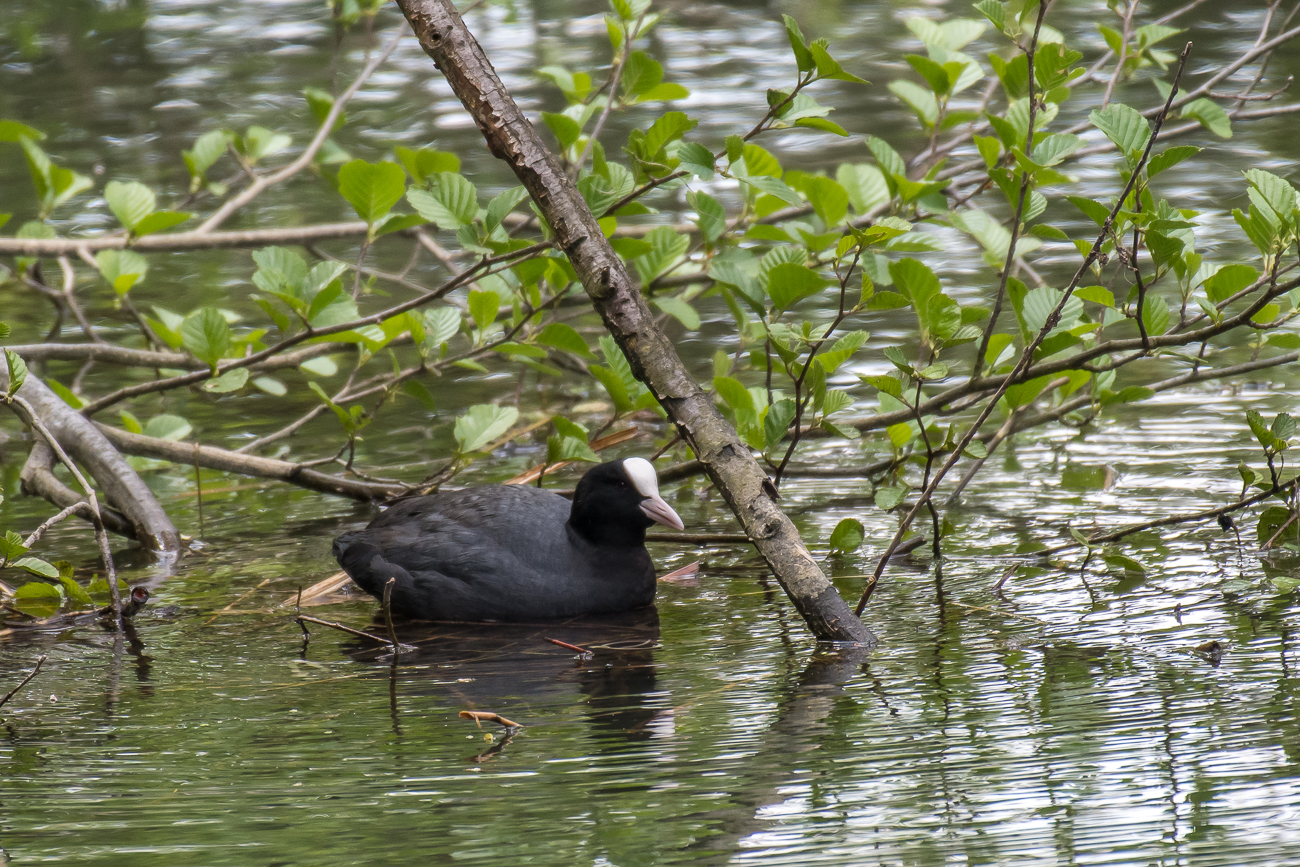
(1072, 718)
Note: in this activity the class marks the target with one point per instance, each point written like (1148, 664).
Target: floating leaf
(168, 427)
(847, 536)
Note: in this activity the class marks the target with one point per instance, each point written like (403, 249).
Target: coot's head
(615, 502)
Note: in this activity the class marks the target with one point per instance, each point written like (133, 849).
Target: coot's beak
(661, 513)
(641, 474)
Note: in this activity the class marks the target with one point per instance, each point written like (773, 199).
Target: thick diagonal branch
(728, 461)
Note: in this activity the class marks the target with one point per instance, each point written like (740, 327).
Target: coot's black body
(515, 553)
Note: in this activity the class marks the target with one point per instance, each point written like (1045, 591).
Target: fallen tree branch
(38, 480)
(122, 486)
(654, 360)
(212, 458)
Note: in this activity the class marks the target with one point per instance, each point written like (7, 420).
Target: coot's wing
(472, 554)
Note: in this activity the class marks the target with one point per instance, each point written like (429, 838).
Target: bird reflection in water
(511, 668)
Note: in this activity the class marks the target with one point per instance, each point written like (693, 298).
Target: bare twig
(262, 182)
(1028, 354)
(26, 680)
(479, 716)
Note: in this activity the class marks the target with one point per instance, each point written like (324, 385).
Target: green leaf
(440, 325)
(663, 92)
(502, 204)
(563, 336)
(564, 447)
(122, 269)
(397, 223)
(565, 129)
(803, 58)
(1210, 116)
(38, 598)
(1277, 193)
(72, 591)
(37, 566)
(842, 351)
(1228, 281)
(865, 186)
(1053, 149)
(666, 247)
(1124, 126)
(426, 162)
(168, 427)
(847, 536)
(916, 281)
(320, 102)
(777, 421)
(696, 159)
(1283, 426)
(1097, 294)
(206, 335)
(11, 545)
(1155, 315)
(451, 201)
(1169, 157)
(828, 67)
(129, 202)
(231, 380)
(484, 304)
(890, 498)
(272, 386)
(65, 394)
(711, 217)
(12, 131)
(17, 370)
(372, 188)
(920, 100)
(160, 221)
(641, 73)
(481, 425)
(1261, 430)
(828, 198)
(787, 283)
(773, 187)
(280, 271)
(258, 142)
(680, 310)
(208, 148)
(1096, 211)
(1123, 563)
(672, 126)
(614, 386)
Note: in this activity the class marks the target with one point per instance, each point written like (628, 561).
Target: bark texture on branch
(38, 480)
(122, 486)
(655, 362)
(248, 465)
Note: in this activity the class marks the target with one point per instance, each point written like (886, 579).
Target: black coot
(513, 552)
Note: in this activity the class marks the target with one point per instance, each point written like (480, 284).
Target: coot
(513, 552)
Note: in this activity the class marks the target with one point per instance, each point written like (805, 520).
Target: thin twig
(35, 671)
(256, 188)
(1028, 354)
